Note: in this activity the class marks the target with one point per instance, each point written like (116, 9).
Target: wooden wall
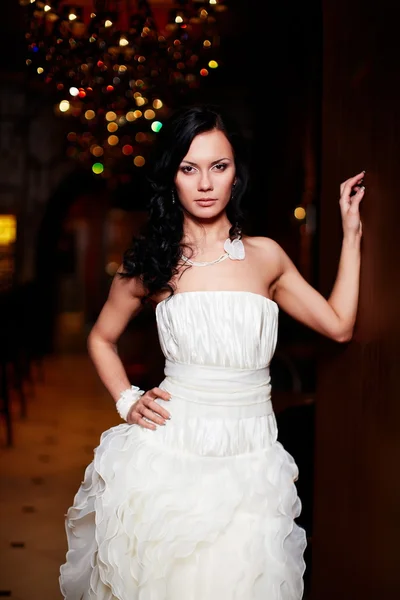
(356, 526)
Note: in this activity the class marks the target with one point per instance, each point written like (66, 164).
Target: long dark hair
(154, 255)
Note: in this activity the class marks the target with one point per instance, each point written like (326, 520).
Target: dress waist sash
(225, 392)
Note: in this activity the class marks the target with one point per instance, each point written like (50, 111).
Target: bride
(192, 497)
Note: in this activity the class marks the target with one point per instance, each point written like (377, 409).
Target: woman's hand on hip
(147, 409)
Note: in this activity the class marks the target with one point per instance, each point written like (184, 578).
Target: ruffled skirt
(200, 509)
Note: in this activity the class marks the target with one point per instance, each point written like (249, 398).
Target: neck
(205, 233)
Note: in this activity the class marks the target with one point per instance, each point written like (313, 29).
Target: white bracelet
(127, 399)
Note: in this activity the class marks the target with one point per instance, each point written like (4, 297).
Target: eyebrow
(215, 162)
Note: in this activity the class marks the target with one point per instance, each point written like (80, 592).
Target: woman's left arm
(336, 316)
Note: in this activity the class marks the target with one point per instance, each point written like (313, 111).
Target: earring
(173, 196)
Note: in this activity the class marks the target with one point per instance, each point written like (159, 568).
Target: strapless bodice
(231, 329)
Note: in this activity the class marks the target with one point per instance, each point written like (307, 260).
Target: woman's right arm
(123, 303)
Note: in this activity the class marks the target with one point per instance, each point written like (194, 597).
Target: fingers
(358, 176)
(356, 199)
(159, 393)
(147, 412)
(138, 416)
(350, 189)
(135, 418)
(152, 415)
(356, 179)
(352, 181)
(140, 421)
(154, 406)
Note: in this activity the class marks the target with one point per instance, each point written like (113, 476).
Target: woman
(193, 498)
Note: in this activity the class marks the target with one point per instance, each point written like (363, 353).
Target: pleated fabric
(204, 507)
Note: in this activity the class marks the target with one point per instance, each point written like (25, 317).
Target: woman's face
(206, 174)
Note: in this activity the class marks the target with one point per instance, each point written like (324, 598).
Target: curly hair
(155, 253)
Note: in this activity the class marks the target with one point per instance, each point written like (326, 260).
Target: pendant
(235, 249)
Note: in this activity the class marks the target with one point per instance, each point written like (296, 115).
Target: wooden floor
(40, 474)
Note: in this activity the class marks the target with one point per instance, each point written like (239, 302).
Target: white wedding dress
(204, 507)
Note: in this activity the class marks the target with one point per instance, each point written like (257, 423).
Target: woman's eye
(190, 169)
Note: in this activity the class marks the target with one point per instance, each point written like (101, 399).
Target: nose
(205, 182)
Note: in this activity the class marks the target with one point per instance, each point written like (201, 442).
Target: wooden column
(357, 488)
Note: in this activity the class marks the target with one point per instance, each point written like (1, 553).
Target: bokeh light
(98, 168)
(96, 150)
(139, 161)
(64, 106)
(156, 126)
(299, 213)
(111, 115)
(122, 84)
(127, 149)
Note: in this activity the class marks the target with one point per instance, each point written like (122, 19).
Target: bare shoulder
(266, 249)
(263, 243)
(267, 257)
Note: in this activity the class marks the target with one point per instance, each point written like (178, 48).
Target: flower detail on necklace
(235, 249)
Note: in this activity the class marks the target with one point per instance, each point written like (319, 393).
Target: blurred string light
(115, 76)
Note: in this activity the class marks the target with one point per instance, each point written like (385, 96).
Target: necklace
(234, 249)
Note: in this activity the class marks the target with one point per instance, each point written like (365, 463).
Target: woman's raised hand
(147, 409)
(351, 194)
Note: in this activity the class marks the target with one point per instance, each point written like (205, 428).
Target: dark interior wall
(283, 76)
(357, 491)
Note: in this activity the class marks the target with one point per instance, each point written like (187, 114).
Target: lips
(206, 201)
